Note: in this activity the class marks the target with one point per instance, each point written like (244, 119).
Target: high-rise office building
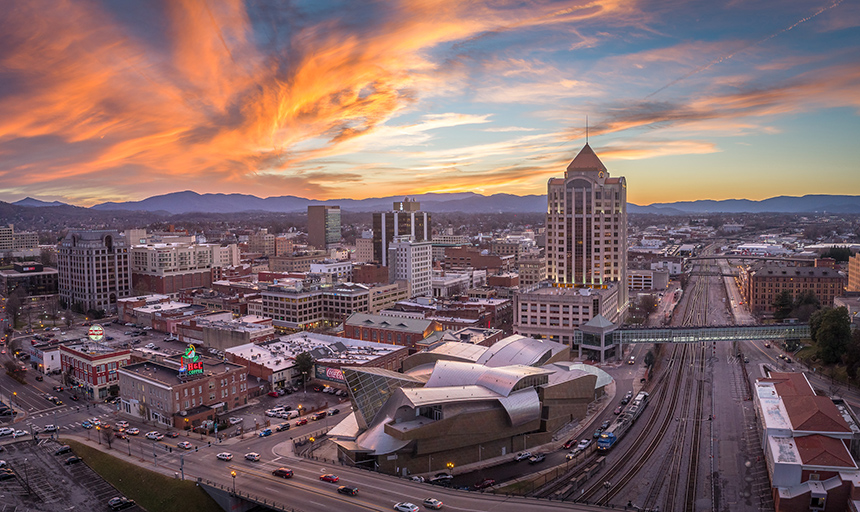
(405, 219)
(586, 235)
(412, 261)
(94, 269)
(323, 226)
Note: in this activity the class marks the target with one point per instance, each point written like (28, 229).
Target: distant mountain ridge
(466, 202)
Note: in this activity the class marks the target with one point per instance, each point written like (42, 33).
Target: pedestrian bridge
(702, 334)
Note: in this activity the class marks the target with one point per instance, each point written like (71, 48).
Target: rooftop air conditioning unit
(183, 413)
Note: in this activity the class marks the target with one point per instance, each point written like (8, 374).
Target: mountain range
(466, 202)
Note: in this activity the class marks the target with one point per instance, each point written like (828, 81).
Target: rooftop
(388, 322)
(162, 307)
(818, 450)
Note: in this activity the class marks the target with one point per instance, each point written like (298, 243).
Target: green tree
(304, 363)
(833, 335)
(841, 253)
(852, 354)
(649, 359)
(783, 304)
(805, 305)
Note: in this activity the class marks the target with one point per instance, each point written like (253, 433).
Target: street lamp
(305, 381)
(14, 397)
(98, 433)
(233, 474)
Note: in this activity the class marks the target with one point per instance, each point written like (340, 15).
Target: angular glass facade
(370, 388)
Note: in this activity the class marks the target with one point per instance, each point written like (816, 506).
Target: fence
(272, 504)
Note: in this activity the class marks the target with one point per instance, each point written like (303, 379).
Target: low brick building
(388, 329)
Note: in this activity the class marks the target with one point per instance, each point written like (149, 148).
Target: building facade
(412, 261)
(853, 273)
(405, 219)
(168, 394)
(91, 368)
(761, 285)
(586, 235)
(323, 226)
(298, 262)
(94, 270)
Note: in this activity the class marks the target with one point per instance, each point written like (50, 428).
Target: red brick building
(471, 257)
(370, 274)
(91, 368)
(389, 329)
(762, 285)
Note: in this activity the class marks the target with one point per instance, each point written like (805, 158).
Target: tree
(841, 253)
(852, 355)
(783, 304)
(107, 435)
(46, 256)
(649, 359)
(304, 363)
(833, 335)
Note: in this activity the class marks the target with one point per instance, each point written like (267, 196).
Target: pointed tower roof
(586, 160)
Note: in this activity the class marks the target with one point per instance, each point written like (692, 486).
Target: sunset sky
(125, 99)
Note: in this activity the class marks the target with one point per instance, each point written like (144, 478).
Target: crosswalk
(40, 420)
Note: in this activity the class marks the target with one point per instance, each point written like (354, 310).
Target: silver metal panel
(522, 406)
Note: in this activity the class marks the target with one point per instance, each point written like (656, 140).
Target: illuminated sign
(96, 332)
(329, 374)
(190, 363)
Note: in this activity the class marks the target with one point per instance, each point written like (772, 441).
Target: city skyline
(119, 101)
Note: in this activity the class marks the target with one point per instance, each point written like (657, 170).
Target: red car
(285, 473)
(569, 443)
(329, 478)
(303, 421)
(483, 484)
(273, 393)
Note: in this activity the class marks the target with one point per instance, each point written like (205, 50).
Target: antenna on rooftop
(586, 129)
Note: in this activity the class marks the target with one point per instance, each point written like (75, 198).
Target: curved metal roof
(501, 380)
(518, 349)
(522, 406)
(603, 378)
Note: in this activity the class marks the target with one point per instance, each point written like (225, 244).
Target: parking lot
(42, 481)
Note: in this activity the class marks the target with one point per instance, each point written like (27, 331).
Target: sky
(121, 100)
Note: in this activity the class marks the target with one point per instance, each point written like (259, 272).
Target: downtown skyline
(119, 101)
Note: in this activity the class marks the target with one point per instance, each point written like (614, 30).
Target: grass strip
(152, 491)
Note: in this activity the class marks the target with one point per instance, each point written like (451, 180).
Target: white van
(292, 414)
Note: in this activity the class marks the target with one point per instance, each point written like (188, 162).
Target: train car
(626, 420)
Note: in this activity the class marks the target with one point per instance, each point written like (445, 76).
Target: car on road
(283, 473)
(154, 435)
(405, 506)
(432, 503)
(133, 431)
(329, 478)
(570, 442)
(57, 401)
(172, 434)
(95, 421)
(225, 456)
(483, 484)
(87, 425)
(345, 489)
(120, 502)
(571, 455)
(234, 420)
(597, 433)
(121, 435)
(252, 456)
(75, 398)
(282, 427)
(767, 345)
(617, 410)
(40, 378)
(535, 459)
(787, 359)
(318, 416)
(265, 432)
(332, 412)
(18, 433)
(604, 425)
(523, 456)
(6, 431)
(50, 428)
(72, 460)
(585, 443)
(122, 424)
(185, 445)
(58, 388)
(303, 421)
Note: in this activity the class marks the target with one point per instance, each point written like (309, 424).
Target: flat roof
(162, 306)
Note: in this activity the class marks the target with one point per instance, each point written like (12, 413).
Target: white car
(225, 456)
(50, 428)
(406, 507)
(185, 445)
(583, 444)
(433, 503)
(95, 421)
(272, 413)
(122, 424)
(254, 456)
(3, 464)
(233, 421)
(155, 435)
(18, 433)
(6, 431)
(523, 456)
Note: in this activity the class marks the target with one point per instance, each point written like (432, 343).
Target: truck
(623, 423)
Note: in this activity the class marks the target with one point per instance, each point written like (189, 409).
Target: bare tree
(107, 435)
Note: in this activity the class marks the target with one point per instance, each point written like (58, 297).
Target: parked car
(483, 484)
(345, 489)
(441, 477)
(432, 503)
(62, 450)
(283, 473)
(72, 460)
(272, 393)
(225, 456)
(329, 478)
(253, 456)
(416, 478)
(234, 421)
(535, 459)
(120, 503)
